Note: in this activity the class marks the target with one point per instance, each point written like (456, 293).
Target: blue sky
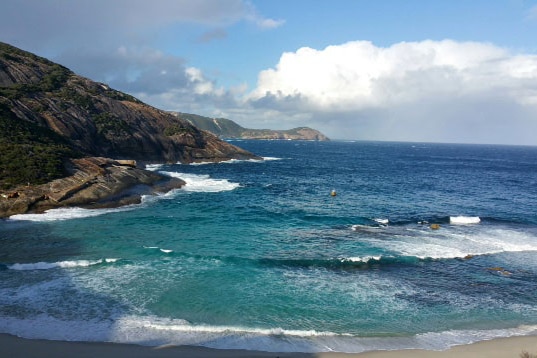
(444, 71)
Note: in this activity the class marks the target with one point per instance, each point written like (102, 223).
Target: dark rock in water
(93, 183)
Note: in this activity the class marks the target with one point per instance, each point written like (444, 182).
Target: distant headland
(228, 129)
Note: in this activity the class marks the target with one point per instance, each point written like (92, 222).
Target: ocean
(424, 246)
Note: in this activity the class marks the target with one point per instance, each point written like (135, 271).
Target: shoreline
(15, 347)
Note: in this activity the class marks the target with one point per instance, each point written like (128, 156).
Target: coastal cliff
(226, 128)
(51, 118)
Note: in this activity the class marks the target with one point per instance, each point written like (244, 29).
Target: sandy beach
(14, 347)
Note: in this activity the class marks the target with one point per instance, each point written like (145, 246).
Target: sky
(452, 71)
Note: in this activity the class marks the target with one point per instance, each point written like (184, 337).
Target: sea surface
(259, 255)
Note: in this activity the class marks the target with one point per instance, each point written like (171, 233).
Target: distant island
(228, 129)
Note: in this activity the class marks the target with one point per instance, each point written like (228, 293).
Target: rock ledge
(95, 182)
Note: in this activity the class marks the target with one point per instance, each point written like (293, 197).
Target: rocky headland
(68, 141)
(226, 128)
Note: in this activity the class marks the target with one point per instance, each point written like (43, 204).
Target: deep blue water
(259, 255)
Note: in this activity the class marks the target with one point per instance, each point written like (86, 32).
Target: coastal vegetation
(110, 124)
(29, 153)
(175, 129)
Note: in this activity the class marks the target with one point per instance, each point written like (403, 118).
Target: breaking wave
(203, 182)
(59, 264)
(157, 331)
(464, 220)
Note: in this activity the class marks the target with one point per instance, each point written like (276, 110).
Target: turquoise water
(258, 255)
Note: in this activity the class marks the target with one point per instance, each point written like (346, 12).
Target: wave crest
(59, 264)
(464, 220)
(203, 183)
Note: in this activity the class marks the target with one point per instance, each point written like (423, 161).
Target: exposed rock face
(225, 128)
(50, 118)
(97, 120)
(93, 183)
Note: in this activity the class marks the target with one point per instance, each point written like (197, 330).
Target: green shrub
(29, 153)
(175, 129)
(110, 124)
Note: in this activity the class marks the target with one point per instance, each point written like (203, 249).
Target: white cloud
(269, 23)
(429, 90)
(359, 75)
(252, 15)
(199, 84)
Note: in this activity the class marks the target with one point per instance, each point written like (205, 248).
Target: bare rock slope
(51, 118)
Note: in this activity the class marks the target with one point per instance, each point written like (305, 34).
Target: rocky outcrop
(92, 183)
(52, 120)
(96, 120)
(225, 128)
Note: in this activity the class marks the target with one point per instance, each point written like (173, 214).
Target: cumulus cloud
(359, 75)
(429, 90)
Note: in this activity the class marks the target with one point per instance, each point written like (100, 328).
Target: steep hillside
(48, 114)
(225, 128)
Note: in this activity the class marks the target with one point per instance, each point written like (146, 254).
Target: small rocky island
(68, 141)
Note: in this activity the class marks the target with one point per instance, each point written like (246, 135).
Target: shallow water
(258, 255)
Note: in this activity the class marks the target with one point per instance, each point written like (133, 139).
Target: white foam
(364, 259)
(154, 167)
(62, 214)
(382, 221)
(271, 158)
(166, 251)
(358, 227)
(72, 213)
(156, 331)
(159, 331)
(203, 183)
(464, 220)
(456, 241)
(230, 161)
(59, 264)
